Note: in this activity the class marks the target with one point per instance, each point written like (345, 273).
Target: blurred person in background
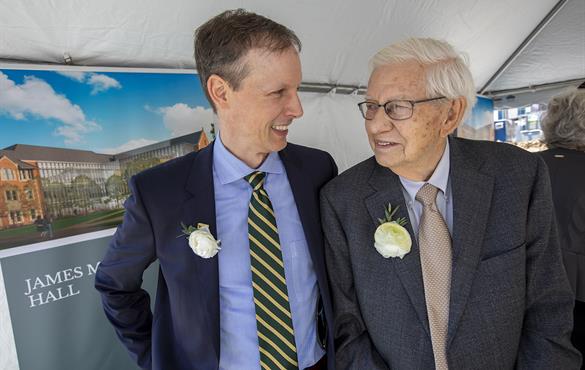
(564, 133)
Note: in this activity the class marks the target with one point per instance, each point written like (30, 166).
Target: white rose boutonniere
(391, 239)
(200, 239)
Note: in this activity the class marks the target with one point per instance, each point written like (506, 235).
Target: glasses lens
(368, 109)
(398, 109)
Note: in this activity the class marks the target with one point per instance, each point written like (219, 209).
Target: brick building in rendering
(55, 182)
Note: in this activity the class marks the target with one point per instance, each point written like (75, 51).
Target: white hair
(447, 72)
(564, 122)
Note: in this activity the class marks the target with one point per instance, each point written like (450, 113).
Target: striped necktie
(273, 317)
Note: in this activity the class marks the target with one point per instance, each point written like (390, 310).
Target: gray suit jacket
(511, 305)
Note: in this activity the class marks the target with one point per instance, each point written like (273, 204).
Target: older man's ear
(454, 116)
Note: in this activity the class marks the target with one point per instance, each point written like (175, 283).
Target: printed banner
(56, 313)
(480, 123)
(69, 142)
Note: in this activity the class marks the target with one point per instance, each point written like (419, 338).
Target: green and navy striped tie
(273, 317)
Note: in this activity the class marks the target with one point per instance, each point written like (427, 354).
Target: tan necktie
(435, 256)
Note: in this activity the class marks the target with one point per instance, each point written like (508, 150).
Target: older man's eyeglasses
(395, 109)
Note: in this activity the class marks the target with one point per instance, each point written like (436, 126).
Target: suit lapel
(200, 207)
(307, 206)
(388, 189)
(472, 193)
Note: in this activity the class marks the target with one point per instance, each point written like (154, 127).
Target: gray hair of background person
(222, 42)
(564, 122)
(447, 71)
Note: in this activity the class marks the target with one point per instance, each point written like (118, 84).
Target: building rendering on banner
(42, 182)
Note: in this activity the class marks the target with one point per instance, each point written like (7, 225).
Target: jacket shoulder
(315, 162)
(174, 171)
(305, 151)
(352, 179)
(491, 148)
(498, 157)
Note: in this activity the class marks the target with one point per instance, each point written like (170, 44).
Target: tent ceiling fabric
(338, 37)
(557, 53)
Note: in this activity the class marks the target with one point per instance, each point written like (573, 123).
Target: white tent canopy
(338, 37)
(513, 46)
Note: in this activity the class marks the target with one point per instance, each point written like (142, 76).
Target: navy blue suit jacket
(183, 332)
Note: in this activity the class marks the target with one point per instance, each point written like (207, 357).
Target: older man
(253, 303)
(464, 270)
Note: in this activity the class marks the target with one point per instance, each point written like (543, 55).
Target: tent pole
(327, 88)
(536, 88)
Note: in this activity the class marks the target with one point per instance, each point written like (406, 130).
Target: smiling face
(413, 147)
(254, 119)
